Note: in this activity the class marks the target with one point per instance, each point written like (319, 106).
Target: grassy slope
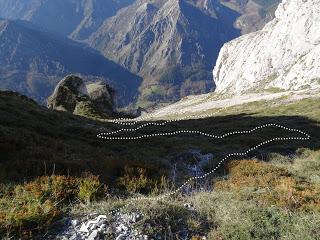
(35, 141)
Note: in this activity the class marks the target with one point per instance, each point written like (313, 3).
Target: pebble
(122, 237)
(75, 222)
(94, 235)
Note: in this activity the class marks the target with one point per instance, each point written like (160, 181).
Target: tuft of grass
(137, 180)
(90, 188)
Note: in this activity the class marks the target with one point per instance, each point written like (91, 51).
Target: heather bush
(33, 206)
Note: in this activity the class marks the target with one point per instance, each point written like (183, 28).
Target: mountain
(171, 44)
(254, 13)
(32, 61)
(283, 55)
(77, 18)
(61, 147)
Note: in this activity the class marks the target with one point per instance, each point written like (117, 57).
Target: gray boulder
(91, 100)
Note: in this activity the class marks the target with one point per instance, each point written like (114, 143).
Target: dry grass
(31, 207)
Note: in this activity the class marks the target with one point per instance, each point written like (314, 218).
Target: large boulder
(92, 100)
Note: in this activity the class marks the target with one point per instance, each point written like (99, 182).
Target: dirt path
(196, 104)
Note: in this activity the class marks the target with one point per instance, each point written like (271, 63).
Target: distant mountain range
(77, 18)
(171, 44)
(33, 61)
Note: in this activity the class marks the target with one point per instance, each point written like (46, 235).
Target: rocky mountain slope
(32, 61)
(283, 55)
(171, 44)
(77, 18)
(254, 13)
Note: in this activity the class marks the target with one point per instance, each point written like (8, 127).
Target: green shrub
(90, 188)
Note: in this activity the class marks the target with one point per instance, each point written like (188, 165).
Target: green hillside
(37, 142)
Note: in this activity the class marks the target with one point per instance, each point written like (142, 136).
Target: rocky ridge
(283, 55)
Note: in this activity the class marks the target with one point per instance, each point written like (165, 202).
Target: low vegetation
(30, 207)
(47, 157)
(255, 200)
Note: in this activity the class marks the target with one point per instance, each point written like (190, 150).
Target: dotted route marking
(306, 136)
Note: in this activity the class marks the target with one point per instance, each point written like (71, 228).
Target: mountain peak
(167, 43)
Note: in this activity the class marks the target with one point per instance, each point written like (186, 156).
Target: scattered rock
(189, 206)
(94, 235)
(75, 223)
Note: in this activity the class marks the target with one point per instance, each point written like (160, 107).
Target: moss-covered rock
(92, 100)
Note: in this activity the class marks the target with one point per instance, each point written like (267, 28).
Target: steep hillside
(32, 61)
(171, 44)
(35, 141)
(283, 55)
(77, 18)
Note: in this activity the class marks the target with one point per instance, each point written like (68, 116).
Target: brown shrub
(31, 207)
(270, 185)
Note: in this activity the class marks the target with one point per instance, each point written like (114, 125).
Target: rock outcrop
(73, 95)
(283, 55)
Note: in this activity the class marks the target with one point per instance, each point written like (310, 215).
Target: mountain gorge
(32, 61)
(254, 14)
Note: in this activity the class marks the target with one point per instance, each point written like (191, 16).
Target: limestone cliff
(284, 54)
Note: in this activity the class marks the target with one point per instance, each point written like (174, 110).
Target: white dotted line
(155, 124)
(306, 137)
(103, 135)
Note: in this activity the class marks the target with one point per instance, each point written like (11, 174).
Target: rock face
(73, 95)
(283, 55)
